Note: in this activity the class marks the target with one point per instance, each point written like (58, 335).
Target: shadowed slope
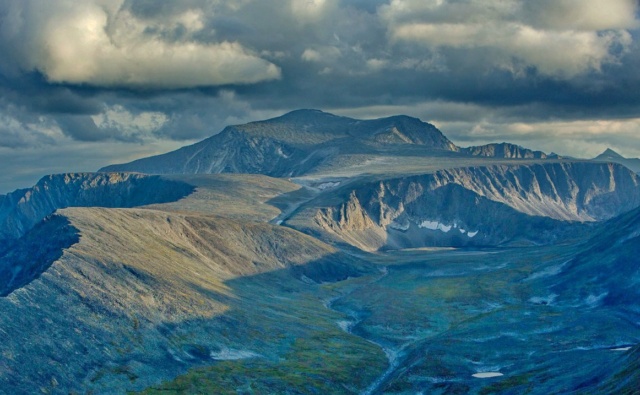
(29, 256)
(113, 304)
(607, 269)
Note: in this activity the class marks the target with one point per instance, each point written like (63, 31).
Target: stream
(394, 355)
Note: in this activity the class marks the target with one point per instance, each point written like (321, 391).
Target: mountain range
(314, 253)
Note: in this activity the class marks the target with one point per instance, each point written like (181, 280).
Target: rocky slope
(23, 209)
(290, 145)
(488, 205)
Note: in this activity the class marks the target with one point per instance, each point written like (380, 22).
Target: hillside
(141, 291)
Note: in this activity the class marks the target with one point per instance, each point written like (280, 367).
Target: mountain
(482, 206)
(610, 155)
(290, 145)
(381, 259)
(503, 150)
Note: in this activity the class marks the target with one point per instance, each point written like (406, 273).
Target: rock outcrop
(503, 150)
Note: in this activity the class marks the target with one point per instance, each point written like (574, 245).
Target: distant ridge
(610, 155)
(290, 145)
(301, 141)
(504, 150)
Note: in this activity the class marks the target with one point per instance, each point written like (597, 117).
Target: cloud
(102, 43)
(520, 34)
(592, 15)
(139, 76)
(18, 129)
(129, 125)
(584, 139)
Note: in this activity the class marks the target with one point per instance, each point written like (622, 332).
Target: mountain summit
(292, 144)
(305, 141)
(610, 155)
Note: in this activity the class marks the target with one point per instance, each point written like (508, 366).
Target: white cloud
(324, 54)
(18, 132)
(582, 15)
(128, 124)
(310, 10)
(101, 43)
(561, 38)
(584, 138)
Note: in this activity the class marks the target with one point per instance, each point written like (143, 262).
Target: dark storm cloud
(146, 71)
(83, 128)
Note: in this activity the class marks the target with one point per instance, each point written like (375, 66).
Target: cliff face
(481, 205)
(23, 209)
(571, 191)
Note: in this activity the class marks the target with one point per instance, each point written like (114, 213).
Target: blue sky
(87, 83)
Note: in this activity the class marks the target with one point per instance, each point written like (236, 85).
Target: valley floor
(428, 321)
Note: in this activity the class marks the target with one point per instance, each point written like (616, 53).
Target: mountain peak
(306, 114)
(609, 154)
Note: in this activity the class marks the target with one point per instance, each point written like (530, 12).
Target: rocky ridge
(503, 150)
(489, 205)
(23, 209)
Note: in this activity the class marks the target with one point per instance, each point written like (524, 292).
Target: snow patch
(472, 234)
(435, 225)
(328, 185)
(281, 153)
(621, 349)
(545, 300)
(594, 300)
(547, 272)
(486, 375)
(398, 226)
(228, 354)
(346, 325)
